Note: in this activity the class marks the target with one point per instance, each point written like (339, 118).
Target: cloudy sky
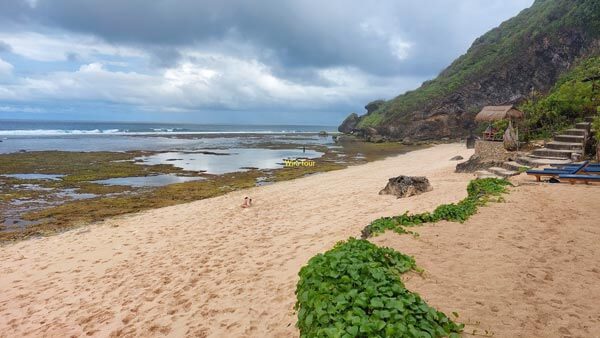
(241, 61)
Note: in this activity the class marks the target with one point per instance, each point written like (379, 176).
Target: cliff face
(529, 51)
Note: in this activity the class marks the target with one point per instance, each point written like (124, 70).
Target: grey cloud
(164, 56)
(294, 34)
(73, 57)
(5, 47)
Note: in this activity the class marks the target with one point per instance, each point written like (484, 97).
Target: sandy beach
(524, 268)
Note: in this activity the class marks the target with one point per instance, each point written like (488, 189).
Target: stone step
(570, 138)
(575, 131)
(485, 174)
(538, 161)
(578, 146)
(583, 125)
(552, 153)
(589, 119)
(513, 165)
(502, 172)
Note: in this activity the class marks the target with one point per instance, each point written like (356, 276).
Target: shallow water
(148, 181)
(237, 159)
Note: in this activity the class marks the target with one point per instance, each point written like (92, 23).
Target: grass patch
(479, 191)
(81, 166)
(355, 290)
(79, 169)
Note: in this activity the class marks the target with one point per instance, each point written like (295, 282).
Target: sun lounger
(572, 178)
(556, 172)
(563, 166)
(588, 169)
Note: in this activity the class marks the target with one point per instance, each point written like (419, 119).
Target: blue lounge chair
(563, 166)
(556, 172)
(572, 178)
(592, 168)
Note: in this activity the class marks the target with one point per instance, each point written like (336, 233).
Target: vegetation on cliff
(530, 50)
(571, 98)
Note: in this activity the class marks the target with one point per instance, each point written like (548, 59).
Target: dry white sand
(212, 269)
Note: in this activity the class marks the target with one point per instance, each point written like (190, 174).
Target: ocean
(50, 128)
(18, 135)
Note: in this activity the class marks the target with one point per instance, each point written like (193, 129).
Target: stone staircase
(558, 151)
(496, 172)
(562, 148)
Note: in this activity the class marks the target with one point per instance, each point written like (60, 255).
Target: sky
(236, 61)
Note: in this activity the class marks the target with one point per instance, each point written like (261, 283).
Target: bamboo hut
(496, 113)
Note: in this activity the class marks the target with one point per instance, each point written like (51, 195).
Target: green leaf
(353, 330)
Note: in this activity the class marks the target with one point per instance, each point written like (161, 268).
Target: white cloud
(21, 109)
(400, 48)
(58, 47)
(205, 81)
(5, 69)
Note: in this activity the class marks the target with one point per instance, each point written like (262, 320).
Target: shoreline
(208, 267)
(114, 200)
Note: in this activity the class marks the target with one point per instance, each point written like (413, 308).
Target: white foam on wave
(157, 131)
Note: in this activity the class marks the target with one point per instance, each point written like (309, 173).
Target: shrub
(596, 127)
(569, 99)
(355, 290)
(479, 191)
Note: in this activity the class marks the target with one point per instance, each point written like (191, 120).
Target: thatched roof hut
(495, 113)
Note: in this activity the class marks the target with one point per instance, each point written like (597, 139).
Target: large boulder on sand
(405, 186)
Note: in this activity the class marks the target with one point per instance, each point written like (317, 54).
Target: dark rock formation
(475, 163)
(349, 124)
(529, 51)
(457, 158)
(373, 106)
(376, 139)
(405, 186)
(345, 138)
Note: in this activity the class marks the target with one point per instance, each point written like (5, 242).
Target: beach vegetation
(479, 192)
(596, 126)
(355, 290)
(570, 99)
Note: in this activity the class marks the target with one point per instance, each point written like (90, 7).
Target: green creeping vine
(479, 192)
(355, 290)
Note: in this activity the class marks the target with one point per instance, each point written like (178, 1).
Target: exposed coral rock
(405, 186)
